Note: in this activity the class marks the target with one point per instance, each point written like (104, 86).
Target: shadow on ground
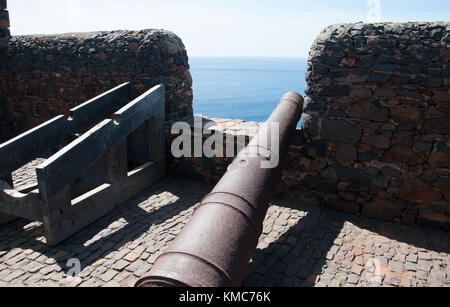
(302, 252)
(310, 242)
(112, 232)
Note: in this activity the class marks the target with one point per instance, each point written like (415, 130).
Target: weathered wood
(137, 148)
(83, 153)
(82, 211)
(16, 204)
(44, 138)
(90, 176)
(157, 136)
(6, 219)
(90, 179)
(117, 163)
(140, 109)
(95, 110)
(34, 143)
(57, 204)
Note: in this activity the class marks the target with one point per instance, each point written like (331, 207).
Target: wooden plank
(34, 143)
(65, 166)
(86, 115)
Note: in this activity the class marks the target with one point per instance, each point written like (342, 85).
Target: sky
(249, 28)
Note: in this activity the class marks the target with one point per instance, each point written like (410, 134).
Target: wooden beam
(86, 115)
(32, 144)
(14, 203)
(64, 167)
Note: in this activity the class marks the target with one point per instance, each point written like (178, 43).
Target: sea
(243, 88)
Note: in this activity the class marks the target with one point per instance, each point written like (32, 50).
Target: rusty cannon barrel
(215, 246)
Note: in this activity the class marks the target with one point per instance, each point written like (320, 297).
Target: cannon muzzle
(215, 246)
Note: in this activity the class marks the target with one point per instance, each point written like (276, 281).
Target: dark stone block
(378, 77)
(336, 113)
(346, 152)
(340, 130)
(390, 172)
(442, 183)
(417, 191)
(382, 210)
(402, 154)
(377, 140)
(319, 68)
(411, 70)
(315, 148)
(430, 53)
(360, 42)
(437, 126)
(368, 155)
(403, 137)
(310, 125)
(385, 92)
(406, 126)
(320, 184)
(370, 110)
(366, 61)
(341, 69)
(411, 94)
(388, 43)
(5, 33)
(342, 205)
(330, 60)
(337, 172)
(430, 175)
(336, 90)
(406, 114)
(431, 219)
(385, 67)
(373, 170)
(314, 104)
(440, 156)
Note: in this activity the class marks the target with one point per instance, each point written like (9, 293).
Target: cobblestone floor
(300, 246)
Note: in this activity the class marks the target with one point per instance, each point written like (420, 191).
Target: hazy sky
(264, 28)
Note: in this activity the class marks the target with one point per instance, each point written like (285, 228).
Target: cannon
(215, 246)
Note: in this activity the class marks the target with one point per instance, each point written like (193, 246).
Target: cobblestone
(300, 246)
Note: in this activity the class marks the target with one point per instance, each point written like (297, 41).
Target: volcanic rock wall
(377, 122)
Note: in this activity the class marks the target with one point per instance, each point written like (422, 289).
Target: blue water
(243, 88)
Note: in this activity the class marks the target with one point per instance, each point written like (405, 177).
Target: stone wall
(374, 138)
(377, 121)
(4, 21)
(45, 76)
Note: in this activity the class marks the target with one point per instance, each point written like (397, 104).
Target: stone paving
(300, 246)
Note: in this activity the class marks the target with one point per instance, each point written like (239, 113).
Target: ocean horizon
(243, 87)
